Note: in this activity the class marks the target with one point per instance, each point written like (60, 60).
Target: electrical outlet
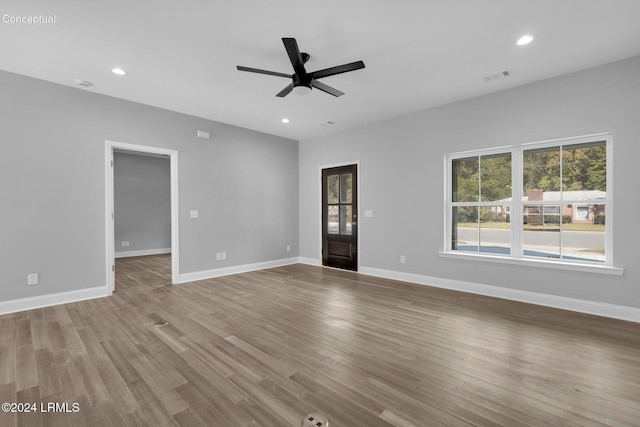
(218, 256)
(32, 279)
(288, 248)
(403, 259)
(224, 256)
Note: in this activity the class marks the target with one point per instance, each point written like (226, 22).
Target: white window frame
(516, 255)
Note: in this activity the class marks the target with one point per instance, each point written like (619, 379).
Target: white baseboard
(30, 303)
(310, 261)
(126, 254)
(226, 271)
(621, 312)
(613, 311)
(572, 304)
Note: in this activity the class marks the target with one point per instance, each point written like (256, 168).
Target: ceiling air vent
(84, 83)
(496, 76)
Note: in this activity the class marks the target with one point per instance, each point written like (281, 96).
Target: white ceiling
(182, 55)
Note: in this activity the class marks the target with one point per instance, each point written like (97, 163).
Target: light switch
(193, 213)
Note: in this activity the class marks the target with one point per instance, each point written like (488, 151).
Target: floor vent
(315, 420)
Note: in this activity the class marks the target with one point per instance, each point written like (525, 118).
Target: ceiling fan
(301, 80)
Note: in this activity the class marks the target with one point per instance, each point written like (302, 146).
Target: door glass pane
(541, 173)
(346, 188)
(495, 177)
(464, 234)
(332, 188)
(541, 231)
(345, 219)
(584, 171)
(583, 232)
(333, 225)
(495, 234)
(465, 183)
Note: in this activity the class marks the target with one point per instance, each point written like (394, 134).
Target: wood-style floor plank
(268, 347)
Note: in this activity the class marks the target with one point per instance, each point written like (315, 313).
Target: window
(481, 185)
(544, 201)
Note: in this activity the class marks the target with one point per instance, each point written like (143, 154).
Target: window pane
(541, 231)
(345, 219)
(333, 226)
(541, 172)
(464, 235)
(495, 235)
(495, 177)
(583, 232)
(465, 183)
(346, 188)
(584, 171)
(332, 189)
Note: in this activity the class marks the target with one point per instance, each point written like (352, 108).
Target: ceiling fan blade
(291, 45)
(326, 88)
(337, 70)
(286, 91)
(259, 71)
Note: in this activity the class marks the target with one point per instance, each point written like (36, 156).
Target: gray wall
(52, 182)
(402, 177)
(142, 202)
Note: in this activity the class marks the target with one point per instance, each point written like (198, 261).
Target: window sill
(558, 265)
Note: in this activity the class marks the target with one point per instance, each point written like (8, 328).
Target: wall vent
(203, 134)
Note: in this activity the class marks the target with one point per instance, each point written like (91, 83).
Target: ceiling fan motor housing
(301, 80)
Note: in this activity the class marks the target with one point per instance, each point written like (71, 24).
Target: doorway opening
(340, 217)
(112, 147)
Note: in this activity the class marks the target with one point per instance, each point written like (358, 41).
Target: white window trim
(517, 257)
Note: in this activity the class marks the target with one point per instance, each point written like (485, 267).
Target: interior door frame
(358, 218)
(110, 205)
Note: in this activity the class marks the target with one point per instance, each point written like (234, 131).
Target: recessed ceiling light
(285, 120)
(526, 39)
(119, 71)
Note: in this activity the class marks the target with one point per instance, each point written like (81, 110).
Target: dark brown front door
(340, 217)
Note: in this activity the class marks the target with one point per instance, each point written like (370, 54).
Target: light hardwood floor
(266, 348)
